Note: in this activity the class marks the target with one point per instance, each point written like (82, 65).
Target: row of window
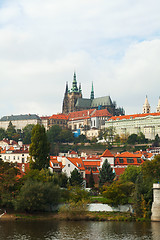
(129, 160)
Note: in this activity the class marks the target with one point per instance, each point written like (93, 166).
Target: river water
(78, 230)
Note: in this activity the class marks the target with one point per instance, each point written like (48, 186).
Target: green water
(80, 230)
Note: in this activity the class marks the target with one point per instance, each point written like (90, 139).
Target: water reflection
(54, 230)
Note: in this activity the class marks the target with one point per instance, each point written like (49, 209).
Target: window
(22, 160)
(94, 169)
(139, 160)
(120, 160)
(130, 160)
(14, 158)
(68, 165)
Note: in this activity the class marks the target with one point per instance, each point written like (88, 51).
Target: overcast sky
(115, 44)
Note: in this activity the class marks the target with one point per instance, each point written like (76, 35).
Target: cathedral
(73, 101)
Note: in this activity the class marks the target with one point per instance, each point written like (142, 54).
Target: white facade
(148, 124)
(15, 157)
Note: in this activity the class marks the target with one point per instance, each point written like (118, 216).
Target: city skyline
(115, 45)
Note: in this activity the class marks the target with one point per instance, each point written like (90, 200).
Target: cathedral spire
(74, 84)
(158, 106)
(146, 106)
(92, 93)
(66, 91)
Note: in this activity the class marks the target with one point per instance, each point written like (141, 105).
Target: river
(78, 230)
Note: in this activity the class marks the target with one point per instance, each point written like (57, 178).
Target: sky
(114, 44)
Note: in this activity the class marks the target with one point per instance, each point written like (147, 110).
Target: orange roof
(80, 114)
(133, 116)
(92, 163)
(101, 113)
(107, 153)
(59, 116)
(73, 152)
(77, 162)
(129, 155)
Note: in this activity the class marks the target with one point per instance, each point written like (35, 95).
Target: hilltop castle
(73, 101)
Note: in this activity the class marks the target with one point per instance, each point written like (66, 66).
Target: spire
(92, 93)
(80, 90)
(146, 106)
(158, 106)
(66, 88)
(74, 84)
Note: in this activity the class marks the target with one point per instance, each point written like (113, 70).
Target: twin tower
(147, 108)
(73, 101)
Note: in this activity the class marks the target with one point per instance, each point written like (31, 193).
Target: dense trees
(39, 148)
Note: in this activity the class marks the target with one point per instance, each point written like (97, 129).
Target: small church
(73, 101)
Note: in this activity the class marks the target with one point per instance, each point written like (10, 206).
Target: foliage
(75, 179)
(11, 131)
(3, 133)
(74, 210)
(91, 181)
(117, 138)
(37, 196)
(58, 135)
(132, 139)
(77, 194)
(156, 142)
(109, 134)
(9, 183)
(66, 136)
(124, 137)
(63, 180)
(131, 173)
(27, 132)
(39, 148)
(81, 139)
(106, 174)
(118, 193)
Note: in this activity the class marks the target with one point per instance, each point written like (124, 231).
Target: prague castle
(73, 101)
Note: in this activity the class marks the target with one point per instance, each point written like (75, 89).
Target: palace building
(73, 101)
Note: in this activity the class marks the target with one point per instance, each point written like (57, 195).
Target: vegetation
(39, 148)
(76, 179)
(106, 174)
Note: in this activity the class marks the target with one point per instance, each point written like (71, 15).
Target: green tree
(27, 132)
(141, 138)
(91, 181)
(3, 134)
(119, 193)
(66, 136)
(37, 196)
(106, 174)
(156, 141)
(131, 173)
(9, 183)
(53, 134)
(39, 148)
(132, 139)
(76, 179)
(11, 131)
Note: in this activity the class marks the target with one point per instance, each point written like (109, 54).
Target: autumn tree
(39, 148)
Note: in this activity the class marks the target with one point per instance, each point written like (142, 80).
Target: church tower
(92, 93)
(70, 97)
(158, 106)
(146, 106)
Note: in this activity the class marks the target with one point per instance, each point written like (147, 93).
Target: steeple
(158, 106)
(146, 106)
(66, 91)
(74, 84)
(92, 93)
(80, 90)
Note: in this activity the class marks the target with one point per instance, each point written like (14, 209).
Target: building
(58, 119)
(19, 121)
(73, 101)
(147, 123)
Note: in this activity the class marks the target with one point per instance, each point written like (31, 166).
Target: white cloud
(115, 44)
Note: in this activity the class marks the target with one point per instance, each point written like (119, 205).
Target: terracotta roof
(129, 155)
(101, 113)
(73, 152)
(76, 162)
(92, 163)
(133, 116)
(80, 114)
(107, 153)
(59, 116)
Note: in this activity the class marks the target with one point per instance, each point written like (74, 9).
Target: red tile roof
(77, 161)
(133, 116)
(80, 114)
(107, 153)
(59, 116)
(101, 113)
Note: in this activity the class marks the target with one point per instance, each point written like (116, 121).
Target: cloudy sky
(115, 44)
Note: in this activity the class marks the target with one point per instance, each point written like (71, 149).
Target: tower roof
(74, 84)
(92, 93)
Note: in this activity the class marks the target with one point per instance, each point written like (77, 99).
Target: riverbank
(88, 216)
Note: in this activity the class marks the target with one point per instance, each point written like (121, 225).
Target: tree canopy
(106, 174)
(76, 179)
(39, 148)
